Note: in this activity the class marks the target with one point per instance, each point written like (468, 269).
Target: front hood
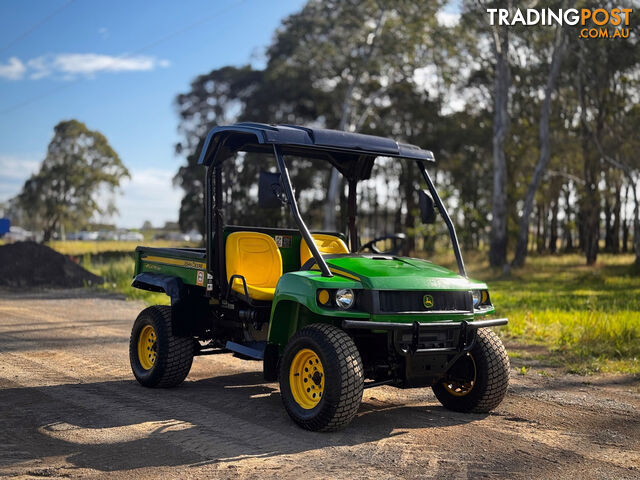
(384, 272)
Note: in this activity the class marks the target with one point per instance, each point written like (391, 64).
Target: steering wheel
(398, 241)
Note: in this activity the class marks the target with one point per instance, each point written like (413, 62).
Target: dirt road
(71, 408)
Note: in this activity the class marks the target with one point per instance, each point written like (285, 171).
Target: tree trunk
(553, 228)
(615, 227)
(625, 222)
(498, 242)
(568, 234)
(590, 204)
(540, 237)
(636, 223)
(545, 150)
(608, 224)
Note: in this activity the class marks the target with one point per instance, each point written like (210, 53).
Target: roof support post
(215, 226)
(446, 217)
(209, 221)
(353, 212)
(288, 190)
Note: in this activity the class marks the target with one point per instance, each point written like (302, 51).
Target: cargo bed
(188, 264)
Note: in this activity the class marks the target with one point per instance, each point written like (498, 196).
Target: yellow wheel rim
(460, 389)
(147, 347)
(306, 379)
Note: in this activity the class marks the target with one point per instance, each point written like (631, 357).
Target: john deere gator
(326, 315)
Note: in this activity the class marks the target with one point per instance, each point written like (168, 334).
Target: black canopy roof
(339, 147)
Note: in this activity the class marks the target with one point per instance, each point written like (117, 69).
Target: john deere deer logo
(427, 300)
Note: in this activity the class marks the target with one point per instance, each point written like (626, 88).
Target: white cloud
(71, 65)
(448, 19)
(148, 195)
(15, 170)
(91, 63)
(13, 70)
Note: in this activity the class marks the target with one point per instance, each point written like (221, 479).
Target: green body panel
(188, 266)
(402, 273)
(295, 304)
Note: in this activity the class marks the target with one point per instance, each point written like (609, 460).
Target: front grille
(413, 301)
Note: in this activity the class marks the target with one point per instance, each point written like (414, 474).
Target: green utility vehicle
(326, 315)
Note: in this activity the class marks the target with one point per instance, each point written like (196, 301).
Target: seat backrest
(327, 244)
(255, 256)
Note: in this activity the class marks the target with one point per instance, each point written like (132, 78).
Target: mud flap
(270, 362)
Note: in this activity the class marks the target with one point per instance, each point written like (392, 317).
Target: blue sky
(101, 63)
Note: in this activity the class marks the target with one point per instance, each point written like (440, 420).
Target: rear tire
(157, 357)
(321, 378)
(478, 381)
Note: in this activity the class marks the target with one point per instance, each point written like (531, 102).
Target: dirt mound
(30, 264)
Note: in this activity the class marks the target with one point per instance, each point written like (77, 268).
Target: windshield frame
(352, 213)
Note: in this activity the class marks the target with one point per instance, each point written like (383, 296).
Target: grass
(586, 317)
(581, 319)
(117, 276)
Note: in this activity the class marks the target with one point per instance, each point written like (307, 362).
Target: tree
(356, 52)
(545, 149)
(334, 64)
(74, 180)
(512, 127)
(502, 83)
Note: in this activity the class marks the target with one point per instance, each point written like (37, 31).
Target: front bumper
(428, 337)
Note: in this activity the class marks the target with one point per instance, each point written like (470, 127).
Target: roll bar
(288, 190)
(215, 219)
(446, 217)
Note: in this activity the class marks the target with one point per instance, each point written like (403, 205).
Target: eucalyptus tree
(355, 51)
(79, 169)
(544, 139)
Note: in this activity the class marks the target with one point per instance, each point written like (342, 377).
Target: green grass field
(581, 319)
(587, 318)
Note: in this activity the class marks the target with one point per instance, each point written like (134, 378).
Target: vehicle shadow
(119, 425)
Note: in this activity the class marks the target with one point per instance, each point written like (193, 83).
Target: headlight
(345, 298)
(476, 296)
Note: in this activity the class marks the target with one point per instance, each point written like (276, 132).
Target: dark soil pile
(30, 264)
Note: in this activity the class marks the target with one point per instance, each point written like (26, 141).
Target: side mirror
(427, 207)
(270, 192)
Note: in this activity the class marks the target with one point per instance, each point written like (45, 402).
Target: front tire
(321, 378)
(478, 381)
(157, 357)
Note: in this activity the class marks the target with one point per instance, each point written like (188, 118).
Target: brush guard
(429, 337)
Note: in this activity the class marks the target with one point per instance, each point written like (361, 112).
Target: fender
(155, 282)
(189, 309)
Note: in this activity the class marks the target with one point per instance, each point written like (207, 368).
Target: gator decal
(177, 262)
(342, 273)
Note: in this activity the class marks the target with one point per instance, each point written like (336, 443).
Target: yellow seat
(256, 257)
(327, 244)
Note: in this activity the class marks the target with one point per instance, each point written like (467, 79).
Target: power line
(156, 42)
(35, 27)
